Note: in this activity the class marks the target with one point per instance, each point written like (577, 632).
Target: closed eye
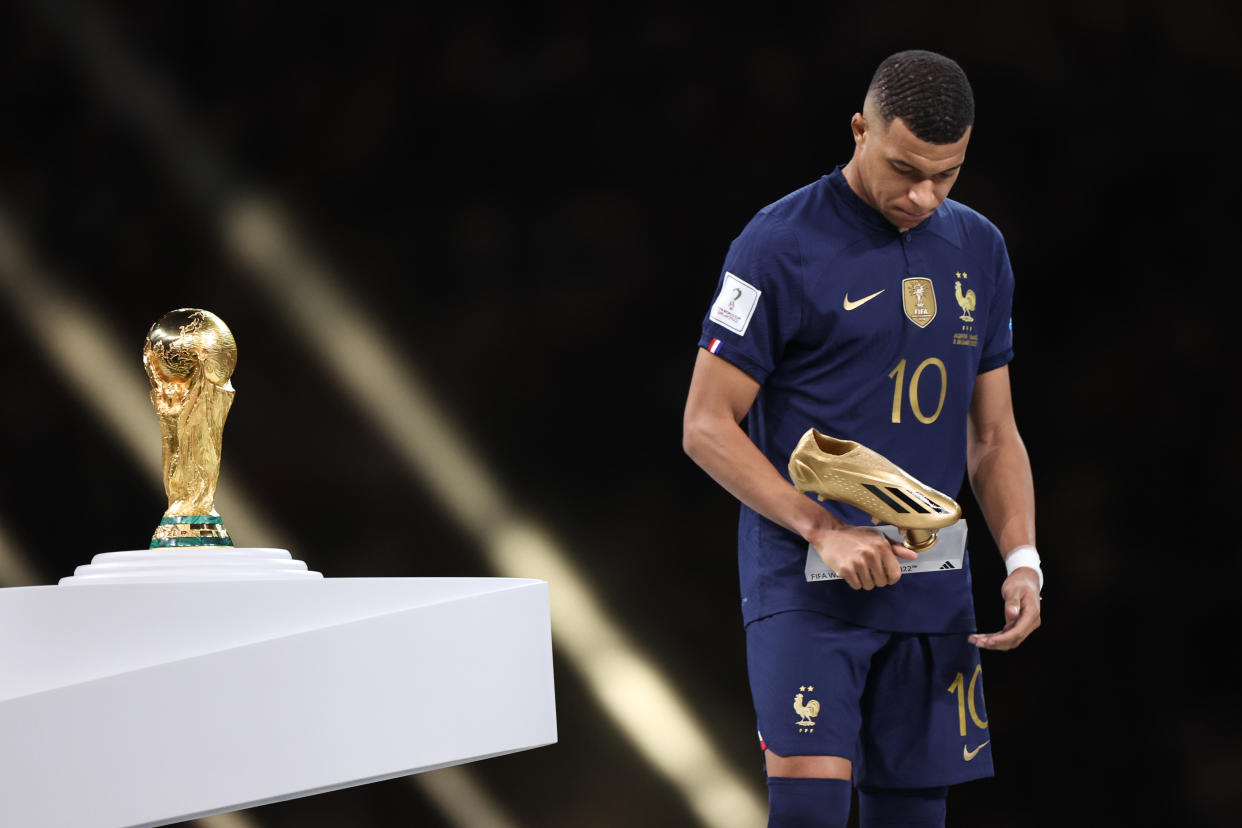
(918, 175)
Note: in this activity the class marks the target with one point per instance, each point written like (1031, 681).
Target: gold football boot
(852, 473)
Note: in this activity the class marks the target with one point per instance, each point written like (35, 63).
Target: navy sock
(796, 802)
(902, 807)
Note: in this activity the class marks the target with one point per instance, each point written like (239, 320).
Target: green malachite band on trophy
(190, 530)
(177, 519)
(171, 542)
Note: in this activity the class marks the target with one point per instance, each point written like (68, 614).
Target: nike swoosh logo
(849, 306)
(971, 754)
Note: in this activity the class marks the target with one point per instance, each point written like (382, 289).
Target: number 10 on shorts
(966, 699)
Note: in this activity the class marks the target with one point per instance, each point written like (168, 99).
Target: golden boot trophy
(189, 356)
(852, 473)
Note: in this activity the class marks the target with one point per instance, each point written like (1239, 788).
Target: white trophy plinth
(158, 686)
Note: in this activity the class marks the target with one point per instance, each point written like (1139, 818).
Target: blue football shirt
(867, 334)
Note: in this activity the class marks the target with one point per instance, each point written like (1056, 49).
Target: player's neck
(854, 179)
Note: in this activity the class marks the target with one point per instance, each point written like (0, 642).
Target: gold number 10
(899, 375)
(966, 699)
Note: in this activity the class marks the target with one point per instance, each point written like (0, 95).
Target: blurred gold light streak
(629, 687)
(456, 792)
(108, 378)
(235, 819)
(14, 571)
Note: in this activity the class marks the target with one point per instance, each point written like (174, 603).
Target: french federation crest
(965, 300)
(919, 300)
(807, 711)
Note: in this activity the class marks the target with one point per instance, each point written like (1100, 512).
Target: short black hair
(929, 92)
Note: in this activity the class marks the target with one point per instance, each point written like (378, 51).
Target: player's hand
(863, 557)
(1021, 594)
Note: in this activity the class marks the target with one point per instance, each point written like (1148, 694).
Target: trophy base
(198, 563)
(946, 556)
(190, 530)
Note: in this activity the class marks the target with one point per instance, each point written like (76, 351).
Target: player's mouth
(912, 217)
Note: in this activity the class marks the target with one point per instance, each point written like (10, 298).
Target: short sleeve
(998, 339)
(758, 302)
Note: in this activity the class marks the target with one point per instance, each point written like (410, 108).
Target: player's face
(902, 177)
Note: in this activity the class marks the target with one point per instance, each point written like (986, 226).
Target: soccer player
(870, 306)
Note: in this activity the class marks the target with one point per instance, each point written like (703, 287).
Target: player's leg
(806, 674)
(925, 728)
(808, 791)
(804, 766)
(807, 802)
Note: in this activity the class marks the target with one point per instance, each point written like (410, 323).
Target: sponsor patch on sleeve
(736, 304)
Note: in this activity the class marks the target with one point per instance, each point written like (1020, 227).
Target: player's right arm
(720, 395)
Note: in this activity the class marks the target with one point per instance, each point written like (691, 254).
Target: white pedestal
(213, 563)
(143, 704)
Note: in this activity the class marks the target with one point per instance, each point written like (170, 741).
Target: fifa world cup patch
(736, 304)
(919, 300)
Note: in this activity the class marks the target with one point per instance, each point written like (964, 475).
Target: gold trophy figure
(852, 473)
(189, 356)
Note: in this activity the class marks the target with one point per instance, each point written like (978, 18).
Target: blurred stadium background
(465, 250)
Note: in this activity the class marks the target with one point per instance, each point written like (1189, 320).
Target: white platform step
(211, 563)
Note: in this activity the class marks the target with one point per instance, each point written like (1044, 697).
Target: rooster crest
(807, 711)
(967, 301)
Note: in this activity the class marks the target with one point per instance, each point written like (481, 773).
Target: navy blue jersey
(871, 335)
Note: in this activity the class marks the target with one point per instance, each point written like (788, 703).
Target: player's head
(910, 139)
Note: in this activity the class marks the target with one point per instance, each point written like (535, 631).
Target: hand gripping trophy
(189, 356)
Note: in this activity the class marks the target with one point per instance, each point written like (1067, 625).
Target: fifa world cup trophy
(189, 356)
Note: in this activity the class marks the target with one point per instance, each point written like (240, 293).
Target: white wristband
(1024, 555)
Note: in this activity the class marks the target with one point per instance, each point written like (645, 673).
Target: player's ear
(858, 125)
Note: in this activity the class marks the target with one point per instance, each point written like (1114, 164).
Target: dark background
(533, 202)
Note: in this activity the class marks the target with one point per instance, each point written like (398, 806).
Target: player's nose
(923, 195)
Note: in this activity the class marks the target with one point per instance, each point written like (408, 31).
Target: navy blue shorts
(907, 709)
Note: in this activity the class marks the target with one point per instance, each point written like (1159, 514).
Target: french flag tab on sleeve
(713, 346)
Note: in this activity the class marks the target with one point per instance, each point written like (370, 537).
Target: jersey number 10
(898, 375)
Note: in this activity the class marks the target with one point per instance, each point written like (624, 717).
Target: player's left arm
(1000, 476)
